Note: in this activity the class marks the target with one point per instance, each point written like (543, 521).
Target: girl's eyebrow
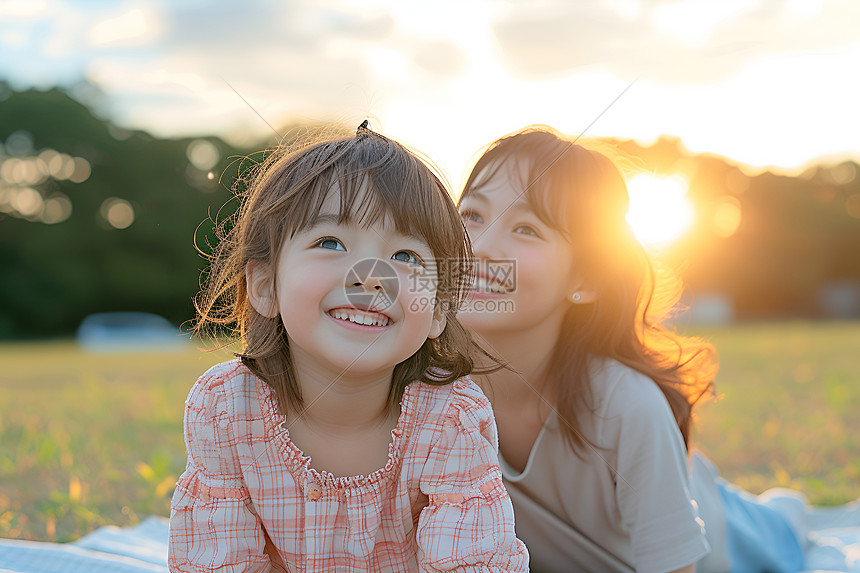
(323, 219)
(333, 219)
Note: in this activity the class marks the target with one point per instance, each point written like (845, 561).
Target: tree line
(95, 218)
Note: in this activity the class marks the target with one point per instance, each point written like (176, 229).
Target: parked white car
(129, 332)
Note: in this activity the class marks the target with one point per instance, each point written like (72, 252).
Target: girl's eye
(330, 243)
(526, 230)
(408, 257)
(469, 215)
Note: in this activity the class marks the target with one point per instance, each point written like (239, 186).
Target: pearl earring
(575, 297)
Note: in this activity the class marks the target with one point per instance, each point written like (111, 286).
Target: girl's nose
(372, 275)
(371, 283)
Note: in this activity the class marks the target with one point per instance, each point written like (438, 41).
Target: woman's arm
(654, 495)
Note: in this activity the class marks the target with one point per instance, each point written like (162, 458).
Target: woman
(594, 412)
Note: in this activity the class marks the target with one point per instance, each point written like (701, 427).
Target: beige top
(626, 506)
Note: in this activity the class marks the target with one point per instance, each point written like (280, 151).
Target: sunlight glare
(659, 209)
(726, 216)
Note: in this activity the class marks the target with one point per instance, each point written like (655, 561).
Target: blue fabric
(758, 538)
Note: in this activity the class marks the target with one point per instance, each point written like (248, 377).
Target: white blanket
(138, 549)
(834, 545)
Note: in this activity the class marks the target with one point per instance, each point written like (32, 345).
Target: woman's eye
(468, 215)
(330, 243)
(408, 257)
(526, 230)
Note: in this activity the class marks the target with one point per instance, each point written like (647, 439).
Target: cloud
(706, 69)
(135, 25)
(303, 58)
(691, 41)
(317, 61)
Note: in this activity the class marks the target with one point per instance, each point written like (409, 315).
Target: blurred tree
(55, 274)
(796, 233)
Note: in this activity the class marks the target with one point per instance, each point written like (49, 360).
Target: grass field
(88, 440)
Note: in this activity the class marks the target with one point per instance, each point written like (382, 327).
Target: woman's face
(525, 268)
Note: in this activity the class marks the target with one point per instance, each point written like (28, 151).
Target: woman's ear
(583, 294)
(260, 281)
(439, 321)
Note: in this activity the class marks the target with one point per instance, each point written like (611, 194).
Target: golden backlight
(659, 209)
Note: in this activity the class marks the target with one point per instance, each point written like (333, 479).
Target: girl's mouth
(362, 318)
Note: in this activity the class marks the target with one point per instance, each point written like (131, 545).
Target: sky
(768, 83)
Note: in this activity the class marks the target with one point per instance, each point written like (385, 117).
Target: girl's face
(525, 268)
(354, 300)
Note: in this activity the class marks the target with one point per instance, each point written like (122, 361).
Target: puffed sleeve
(652, 480)
(213, 524)
(469, 522)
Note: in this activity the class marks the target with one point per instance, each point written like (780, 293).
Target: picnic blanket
(833, 545)
(834, 538)
(136, 549)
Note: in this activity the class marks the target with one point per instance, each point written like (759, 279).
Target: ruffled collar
(299, 464)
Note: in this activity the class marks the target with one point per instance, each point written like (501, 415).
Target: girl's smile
(360, 320)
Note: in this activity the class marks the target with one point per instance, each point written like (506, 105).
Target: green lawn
(88, 440)
(788, 411)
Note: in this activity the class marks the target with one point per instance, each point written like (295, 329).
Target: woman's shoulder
(620, 389)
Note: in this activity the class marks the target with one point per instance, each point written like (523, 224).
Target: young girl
(594, 413)
(347, 436)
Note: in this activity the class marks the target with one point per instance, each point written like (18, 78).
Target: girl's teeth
(360, 318)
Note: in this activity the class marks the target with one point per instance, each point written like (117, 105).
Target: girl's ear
(438, 323)
(260, 282)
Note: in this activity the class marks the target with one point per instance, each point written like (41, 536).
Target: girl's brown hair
(581, 193)
(372, 177)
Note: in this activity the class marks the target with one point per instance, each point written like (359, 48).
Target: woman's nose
(485, 242)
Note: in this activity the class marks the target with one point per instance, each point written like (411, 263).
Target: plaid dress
(249, 499)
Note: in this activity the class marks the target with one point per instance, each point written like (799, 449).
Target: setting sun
(659, 209)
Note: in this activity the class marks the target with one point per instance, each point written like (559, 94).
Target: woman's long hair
(581, 193)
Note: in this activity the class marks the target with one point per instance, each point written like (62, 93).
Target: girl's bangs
(388, 184)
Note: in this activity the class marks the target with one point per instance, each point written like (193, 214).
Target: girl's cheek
(417, 301)
(310, 283)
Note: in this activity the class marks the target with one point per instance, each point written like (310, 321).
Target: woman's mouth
(484, 285)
